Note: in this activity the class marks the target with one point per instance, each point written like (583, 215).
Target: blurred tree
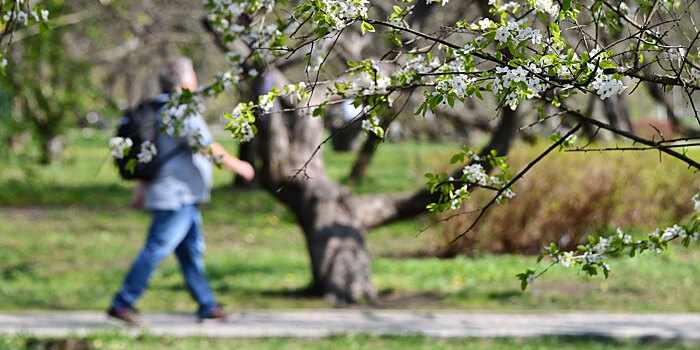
(98, 57)
(50, 89)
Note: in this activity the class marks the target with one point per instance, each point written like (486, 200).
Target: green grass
(353, 341)
(68, 237)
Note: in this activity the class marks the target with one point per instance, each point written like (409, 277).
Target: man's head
(176, 74)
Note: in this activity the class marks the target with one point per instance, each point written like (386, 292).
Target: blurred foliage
(349, 341)
(98, 58)
(569, 196)
(51, 89)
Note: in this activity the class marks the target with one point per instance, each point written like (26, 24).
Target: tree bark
(336, 241)
(663, 99)
(246, 152)
(359, 169)
(326, 211)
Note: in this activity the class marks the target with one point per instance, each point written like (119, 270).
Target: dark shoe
(217, 314)
(126, 314)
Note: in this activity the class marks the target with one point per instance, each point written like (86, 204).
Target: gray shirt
(184, 178)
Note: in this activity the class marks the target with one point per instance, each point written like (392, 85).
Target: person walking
(181, 183)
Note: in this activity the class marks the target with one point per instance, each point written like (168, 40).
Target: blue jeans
(178, 231)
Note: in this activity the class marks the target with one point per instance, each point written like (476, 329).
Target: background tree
(98, 57)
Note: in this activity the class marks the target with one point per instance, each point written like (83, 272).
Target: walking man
(181, 183)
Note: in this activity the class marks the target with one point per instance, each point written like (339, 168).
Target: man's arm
(240, 167)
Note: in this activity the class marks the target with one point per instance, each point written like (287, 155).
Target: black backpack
(140, 124)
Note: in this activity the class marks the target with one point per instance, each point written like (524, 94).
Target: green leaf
(366, 27)
(566, 5)
(130, 166)
(554, 30)
(606, 65)
(478, 94)
(379, 132)
(322, 31)
(319, 111)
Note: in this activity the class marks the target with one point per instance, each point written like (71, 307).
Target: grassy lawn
(354, 341)
(67, 238)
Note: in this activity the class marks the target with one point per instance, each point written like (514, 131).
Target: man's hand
(240, 167)
(245, 170)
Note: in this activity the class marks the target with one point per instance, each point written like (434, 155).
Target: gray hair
(173, 73)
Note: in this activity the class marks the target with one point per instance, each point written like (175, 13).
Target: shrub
(569, 196)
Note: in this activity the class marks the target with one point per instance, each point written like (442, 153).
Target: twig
(517, 177)
(603, 149)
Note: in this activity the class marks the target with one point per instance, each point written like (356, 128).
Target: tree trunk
(51, 148)
(335, 238)
(246, 152)
(359, 169)
(326, 211)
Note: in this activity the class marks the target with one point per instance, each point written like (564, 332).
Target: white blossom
(443, 2)
(626, 239)
(516, 75)
(601, 247)
(545, 6)
(245, 130)
(591, 258)
(467, 49)
(372, 125)
(651, 245)
(458, 195)
(673, 232)
(458, 85)
(22, 17)
(484, 24)
(341, 12)
(508, 193)
(531, 278)
(696, 202)
(605, 85)
(502, 35)
(148, 151)
(266, 103)
(475, 174)
(675, 54)
(118, 145)
(566, 259)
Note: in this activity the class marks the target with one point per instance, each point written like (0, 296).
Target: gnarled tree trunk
(336, 241)
(335, 222)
